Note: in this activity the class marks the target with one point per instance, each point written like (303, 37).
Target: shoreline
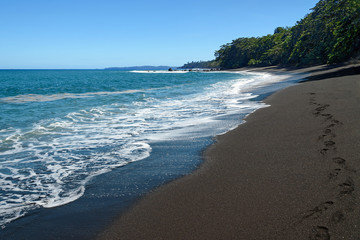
(289, 172)
(113, 193)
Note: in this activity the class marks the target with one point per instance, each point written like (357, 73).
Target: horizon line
(87, 68)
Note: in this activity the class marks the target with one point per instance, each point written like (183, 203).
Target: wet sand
(290, 172)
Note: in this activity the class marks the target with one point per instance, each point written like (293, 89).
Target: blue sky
(105, 33)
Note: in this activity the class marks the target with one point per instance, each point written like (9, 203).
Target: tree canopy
(330, 33)
(201, 64)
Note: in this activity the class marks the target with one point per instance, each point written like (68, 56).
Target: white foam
(67, 152)
(259, 79)
(61, 165)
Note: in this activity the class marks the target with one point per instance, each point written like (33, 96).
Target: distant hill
(139, 68)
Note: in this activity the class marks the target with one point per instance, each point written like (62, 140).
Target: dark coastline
(289, 172)
(110, 195)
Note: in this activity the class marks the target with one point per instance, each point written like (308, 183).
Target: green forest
(329, 34)
(201, 64)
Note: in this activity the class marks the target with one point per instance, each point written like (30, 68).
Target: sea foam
(48, 162)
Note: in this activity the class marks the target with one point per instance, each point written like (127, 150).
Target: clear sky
(108, 33)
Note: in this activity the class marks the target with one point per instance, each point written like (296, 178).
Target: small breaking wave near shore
(49, 156)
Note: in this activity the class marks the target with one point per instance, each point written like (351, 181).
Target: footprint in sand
(334, 173)
(319, 233)
(324, 151)
(327, 116)
(322, 108)
(328, 131)
(318, 210)
(342, 163)
(334, 123)
(339, 160)
(329, 143)
(347, 187)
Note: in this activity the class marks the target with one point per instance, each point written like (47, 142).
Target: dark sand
(290, 172)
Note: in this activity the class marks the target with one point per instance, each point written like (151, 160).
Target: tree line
(201, 64)
(330, 33)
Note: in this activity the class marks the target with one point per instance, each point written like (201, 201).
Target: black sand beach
(107, 195)
(289, 172)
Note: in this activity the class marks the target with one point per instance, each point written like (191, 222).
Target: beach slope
(290, 172)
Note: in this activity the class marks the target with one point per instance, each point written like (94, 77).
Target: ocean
(61, 130)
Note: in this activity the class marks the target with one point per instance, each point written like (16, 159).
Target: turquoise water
(60, 128)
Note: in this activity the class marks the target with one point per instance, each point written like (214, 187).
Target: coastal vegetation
(201, 64)
(329, 34)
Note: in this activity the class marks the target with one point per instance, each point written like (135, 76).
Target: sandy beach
(290, 172)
